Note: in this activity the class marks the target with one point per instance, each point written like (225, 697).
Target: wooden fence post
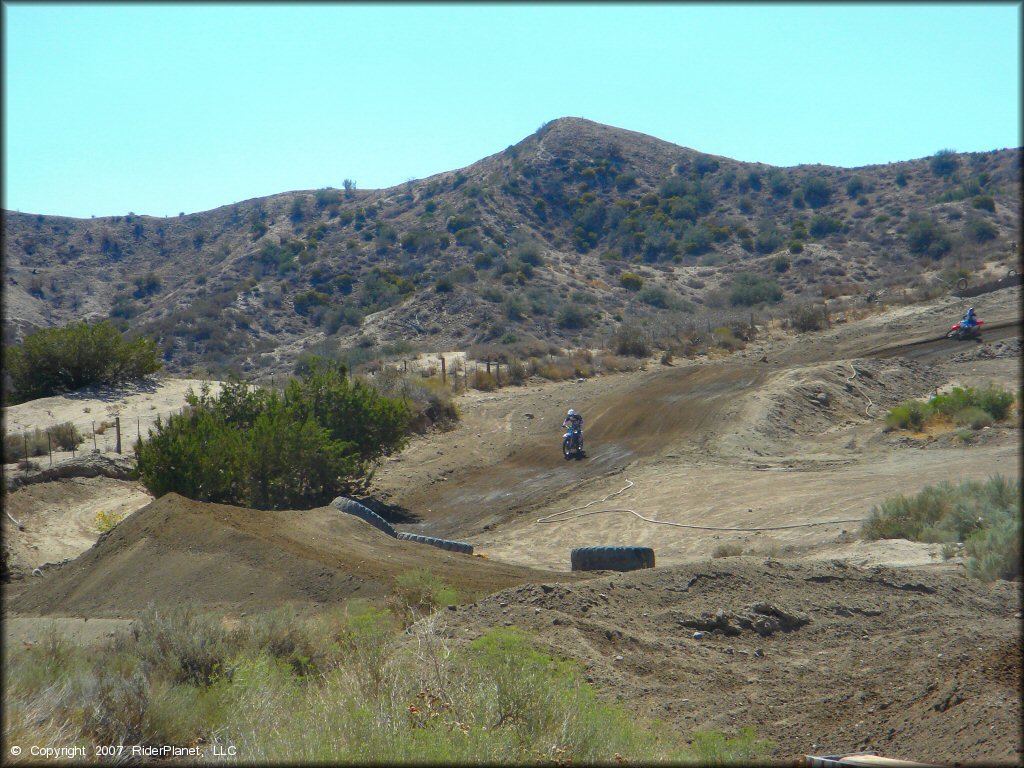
(117, 425)
(444, 373)
(94, 437)
(49, 447)
(25, 435)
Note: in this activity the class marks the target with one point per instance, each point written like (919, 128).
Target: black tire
(446, 544)
(611, 558)
(567, 448)
(353, 507)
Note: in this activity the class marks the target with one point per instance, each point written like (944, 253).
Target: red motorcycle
(970, 332)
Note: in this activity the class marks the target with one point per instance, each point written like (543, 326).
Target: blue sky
(158, 109)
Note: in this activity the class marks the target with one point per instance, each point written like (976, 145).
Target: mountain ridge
(562, 237)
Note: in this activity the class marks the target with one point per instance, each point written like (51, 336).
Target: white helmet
(571, 412)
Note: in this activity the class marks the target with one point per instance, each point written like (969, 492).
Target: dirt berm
(221, 557)
(919, 664)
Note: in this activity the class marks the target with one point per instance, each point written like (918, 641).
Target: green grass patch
(985, 516)
(965, 406)
(348, 685)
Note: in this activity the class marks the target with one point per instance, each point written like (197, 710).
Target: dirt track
(787, 432)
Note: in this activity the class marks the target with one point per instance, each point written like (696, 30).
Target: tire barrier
(353, 507)
(611, 558)
(447, 544)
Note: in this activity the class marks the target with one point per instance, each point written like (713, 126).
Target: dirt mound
(821, 401)
(997, 349)
(89, 465)
(176, 550)
(820, 657)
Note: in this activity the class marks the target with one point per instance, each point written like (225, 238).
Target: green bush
(808, 317)
(944, 162)
(984, 202)
(973, 417)
(258, 449)
(749, 289)
(573, 316)
(631, 282)
(908, 415)
(926, 236)
(822, 226)
(56, 360)
(816, 192)
(980, 230)
(986, 516)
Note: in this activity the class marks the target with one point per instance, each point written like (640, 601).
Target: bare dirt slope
(821, 658)
(787, 432)
(230, 558)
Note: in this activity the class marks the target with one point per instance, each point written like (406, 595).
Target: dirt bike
(960, 333)
(572, 444)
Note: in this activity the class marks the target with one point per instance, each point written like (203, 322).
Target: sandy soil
(826, 642)
(138, 405)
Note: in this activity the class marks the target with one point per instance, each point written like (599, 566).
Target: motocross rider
(969, 320)
(574, 421)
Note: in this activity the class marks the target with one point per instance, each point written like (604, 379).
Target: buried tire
(353, 507)
(446, 544)
(611, 558)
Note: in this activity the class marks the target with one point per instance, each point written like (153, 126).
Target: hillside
(560, 238)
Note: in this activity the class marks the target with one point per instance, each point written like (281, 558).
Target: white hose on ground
(552, 518)
(849, 380)
(20, 526)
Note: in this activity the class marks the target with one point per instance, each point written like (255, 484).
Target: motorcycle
(960, 333)
(572, 444)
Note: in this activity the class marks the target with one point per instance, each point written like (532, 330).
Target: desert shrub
(727, 550)
(420, 591)
(855, 186)
(260, 449)
(631, 282)
(908, 415)
(808, 317)
(944, 162)
(984, 202)
(632, 340)
(973, 417)
(573, 316)
(56, 360)
(926, 236)
(822, 225)
(749, 289)
(984, 515)
(901, 179)
(769, 239)
(980, 230)
(816, 192)
(660, 298)
(483, 380)
(105, 521)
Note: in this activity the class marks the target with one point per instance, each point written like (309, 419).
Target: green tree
(56, 360)
(260, 449)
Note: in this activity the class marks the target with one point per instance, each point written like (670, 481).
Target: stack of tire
(446, 544)
(611, 558)
(353, 507)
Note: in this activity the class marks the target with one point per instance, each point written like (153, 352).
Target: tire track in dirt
(672, 406)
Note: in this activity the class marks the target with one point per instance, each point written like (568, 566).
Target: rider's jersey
(575, 421)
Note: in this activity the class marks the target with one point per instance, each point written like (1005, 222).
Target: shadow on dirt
(110, 394)
(393, 513)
